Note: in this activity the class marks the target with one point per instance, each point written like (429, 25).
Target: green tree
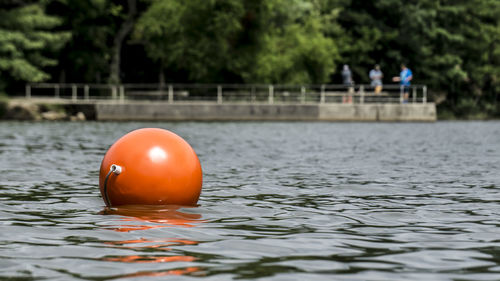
(295, 47)
(475, 88)
(454, 49)
(100, 31)
(86, 57)
(27, 37)
(239, 41)
(125, 28)
(450, 46)
(193, 37)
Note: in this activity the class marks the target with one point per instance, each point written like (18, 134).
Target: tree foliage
(452, 46)
(27, 39)
(295, 47)
(194, 37)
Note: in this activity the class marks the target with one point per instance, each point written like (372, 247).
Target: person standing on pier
(405, 76)
(347, 76)
(347, 81)
(376, 76)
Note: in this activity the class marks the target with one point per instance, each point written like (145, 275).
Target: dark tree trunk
(161, 77)
(125, 29)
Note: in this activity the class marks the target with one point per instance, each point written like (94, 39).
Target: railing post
(74, 93)
(113, 92)
(57, 93)
(401, 92)
(424, 97)
(219, 94)
(122, 93)
(28, 91)
(414, 94)
(302, 94)
(170, 94)
(361, 94)
(160, 91)
(322, 97)
(86, 92)
(271, 94)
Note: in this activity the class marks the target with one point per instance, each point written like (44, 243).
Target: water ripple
(281, 201)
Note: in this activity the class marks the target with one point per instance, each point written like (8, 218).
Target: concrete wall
(286, 112)
(378, 112)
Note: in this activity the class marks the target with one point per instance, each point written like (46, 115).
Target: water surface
(280, 201)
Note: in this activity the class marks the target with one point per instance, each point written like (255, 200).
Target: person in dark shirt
(347, 81)
(347, 76)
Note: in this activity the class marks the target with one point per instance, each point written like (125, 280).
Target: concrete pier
(210, 111)
(270, 112)
(235, 102)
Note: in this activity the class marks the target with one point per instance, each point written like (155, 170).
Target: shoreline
(63, 110)
(68, 110)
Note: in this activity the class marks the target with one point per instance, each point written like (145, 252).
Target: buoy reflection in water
(143, 218)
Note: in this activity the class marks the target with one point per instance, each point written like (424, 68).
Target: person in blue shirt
(405, 76)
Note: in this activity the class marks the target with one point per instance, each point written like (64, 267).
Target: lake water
(280, 201)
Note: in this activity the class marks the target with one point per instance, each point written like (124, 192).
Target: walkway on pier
(207, 102)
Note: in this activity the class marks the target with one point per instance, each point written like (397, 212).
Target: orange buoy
(150, 167)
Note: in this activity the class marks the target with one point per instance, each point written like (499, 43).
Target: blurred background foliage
(452, 46)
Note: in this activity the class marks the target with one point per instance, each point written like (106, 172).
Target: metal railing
(229, 93)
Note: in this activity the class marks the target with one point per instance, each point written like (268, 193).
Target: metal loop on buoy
(115, 169)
